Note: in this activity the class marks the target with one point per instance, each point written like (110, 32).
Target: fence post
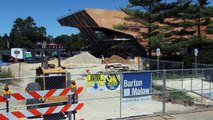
(121, 95)
(164, 90)
(68, 79)
(157, 66)
(182, 77)
(210, 87)
(202, 89)
(69, 102)
(191, 78)
(69, 96)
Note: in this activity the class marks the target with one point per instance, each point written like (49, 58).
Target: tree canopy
(4, 41)
(26, 34)
(73, 42)
(153, 14)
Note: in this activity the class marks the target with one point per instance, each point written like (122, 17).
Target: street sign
(196, 51)
(158, 51)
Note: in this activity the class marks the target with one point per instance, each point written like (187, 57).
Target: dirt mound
(84, 57)
(117, 59)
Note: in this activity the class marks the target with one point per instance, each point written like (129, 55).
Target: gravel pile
(117, 59)
(84, 57)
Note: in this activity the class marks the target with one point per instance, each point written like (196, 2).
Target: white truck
(117, 66)
(20, 53)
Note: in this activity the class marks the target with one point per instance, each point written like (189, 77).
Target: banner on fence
(95, 82)
(112, 82)
(136, 87)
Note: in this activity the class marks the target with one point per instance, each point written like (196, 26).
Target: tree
(4, 42)
(73, 42)
(149, 13)
(200, 12)
(26, 34)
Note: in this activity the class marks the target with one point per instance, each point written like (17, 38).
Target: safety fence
(112, 96)
(155, 64)
(201, 65)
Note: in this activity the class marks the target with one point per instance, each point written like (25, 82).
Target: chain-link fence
(154, 64)
(200, 65)
(176, 90)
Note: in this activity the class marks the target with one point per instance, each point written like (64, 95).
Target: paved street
(205, 115)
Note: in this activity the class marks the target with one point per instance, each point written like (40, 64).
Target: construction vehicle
(117, 67)
(49, 76)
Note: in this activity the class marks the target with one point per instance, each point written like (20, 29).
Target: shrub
(6, 73)
(209, 29)
(180, 97)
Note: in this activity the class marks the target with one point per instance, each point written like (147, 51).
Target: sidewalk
(204, 115)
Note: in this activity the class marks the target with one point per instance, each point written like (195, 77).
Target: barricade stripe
(65, 108)
(80, 105)
(65, 91)
(35, 94)
(50, 110)
(2, 98)
(3, 117)
(72, 107)
(40, 111)
(40, 94)
(35, 112)
(27, 95)
(50, 93)
(18, 114)
(18, 96)
(58, 109)
(57, 93)
(79, 90)
(27, 113)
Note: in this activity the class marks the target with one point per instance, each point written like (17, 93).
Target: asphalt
(203, 115)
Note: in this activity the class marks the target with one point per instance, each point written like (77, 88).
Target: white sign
(18, 53)
(158, 52)
(196, 51)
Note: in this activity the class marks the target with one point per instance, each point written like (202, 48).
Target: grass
(174, 96)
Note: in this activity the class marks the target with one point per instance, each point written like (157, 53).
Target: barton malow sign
(136, 87)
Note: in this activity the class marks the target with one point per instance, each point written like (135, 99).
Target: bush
(180, 97)
(157, 87)
(209, 29)
(177, 97)
(6, 73)
(205, 57)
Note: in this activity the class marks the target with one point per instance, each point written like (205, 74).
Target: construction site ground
(97, 108)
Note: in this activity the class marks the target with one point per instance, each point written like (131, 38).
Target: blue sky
(46, 12)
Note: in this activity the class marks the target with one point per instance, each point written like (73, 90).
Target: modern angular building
(98, 27)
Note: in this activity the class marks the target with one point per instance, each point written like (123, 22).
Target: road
(204, 115)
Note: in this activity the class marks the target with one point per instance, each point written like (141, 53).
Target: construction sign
(95, 82)
(136, 87)
(112, 82)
